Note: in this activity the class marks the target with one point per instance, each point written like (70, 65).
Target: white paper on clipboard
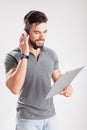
(63, 81)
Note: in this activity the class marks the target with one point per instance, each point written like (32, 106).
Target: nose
(42, 36)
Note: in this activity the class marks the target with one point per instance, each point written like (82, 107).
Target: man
(29, 69)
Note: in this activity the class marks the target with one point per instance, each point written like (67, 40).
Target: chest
(41, 66)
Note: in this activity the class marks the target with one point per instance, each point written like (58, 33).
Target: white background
(67, 35)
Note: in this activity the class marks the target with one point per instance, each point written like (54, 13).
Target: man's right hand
(23, 43)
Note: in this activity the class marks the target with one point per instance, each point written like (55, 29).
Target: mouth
(40, 41)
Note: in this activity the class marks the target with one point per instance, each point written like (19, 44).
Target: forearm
(15, 80)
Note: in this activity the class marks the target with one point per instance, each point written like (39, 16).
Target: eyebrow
(45, 30)
(39, 31)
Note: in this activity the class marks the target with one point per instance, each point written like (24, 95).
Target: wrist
(24, 56)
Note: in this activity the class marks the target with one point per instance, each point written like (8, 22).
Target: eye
(36, 32)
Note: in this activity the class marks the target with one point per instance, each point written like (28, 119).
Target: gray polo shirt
(31, 103)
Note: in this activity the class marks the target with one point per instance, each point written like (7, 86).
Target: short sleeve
(56, 61)
(54, 58)
(10, 62)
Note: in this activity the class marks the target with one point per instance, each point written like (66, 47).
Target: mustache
(40, 40)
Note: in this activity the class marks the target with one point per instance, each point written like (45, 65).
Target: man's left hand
(67, 92)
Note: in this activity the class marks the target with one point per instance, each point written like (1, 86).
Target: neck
(35, 52)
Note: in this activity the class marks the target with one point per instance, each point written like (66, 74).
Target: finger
(25, 33)
(25, 36)
(22, 34)
(68, 94)
(62, 92)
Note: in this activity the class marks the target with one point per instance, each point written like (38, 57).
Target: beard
(34, 44)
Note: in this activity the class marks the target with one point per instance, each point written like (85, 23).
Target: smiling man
(29, 70)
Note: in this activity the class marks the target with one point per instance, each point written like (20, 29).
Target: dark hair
(34, 17)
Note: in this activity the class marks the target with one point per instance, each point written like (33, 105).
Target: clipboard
(63, 81)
